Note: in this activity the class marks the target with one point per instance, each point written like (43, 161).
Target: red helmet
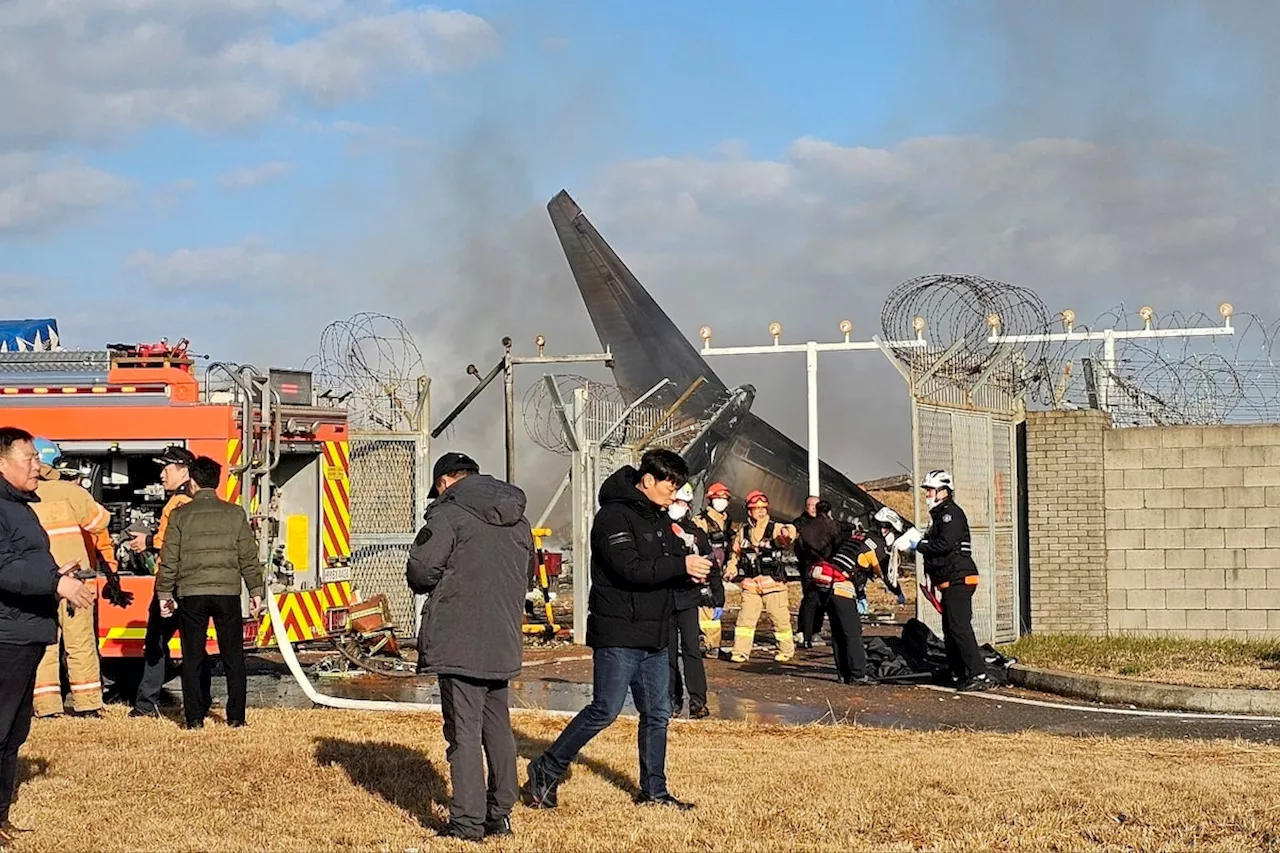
(717, 490)
(757, 498)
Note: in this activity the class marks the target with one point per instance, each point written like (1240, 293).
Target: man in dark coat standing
(819, 537)
(30, 585)
(472, 559)
(637, 561)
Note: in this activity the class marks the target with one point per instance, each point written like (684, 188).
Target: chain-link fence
(387, 502)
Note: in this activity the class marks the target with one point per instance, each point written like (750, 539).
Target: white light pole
(1110, 336)
(811, 350)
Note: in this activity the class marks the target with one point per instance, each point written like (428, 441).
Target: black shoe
(975, 684)
(663, 800)
(138, 712)
(540, 791)
(498, 826)
(95, 714)
(676, 708)
(858, 681)
(452, 830)
(197, 724)
(699, 713)
(236, 724)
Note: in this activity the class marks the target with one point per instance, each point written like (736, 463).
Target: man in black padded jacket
(636, 564)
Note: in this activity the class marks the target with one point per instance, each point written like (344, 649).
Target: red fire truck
(285, 459)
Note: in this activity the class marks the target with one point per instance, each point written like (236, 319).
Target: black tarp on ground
(918, 655)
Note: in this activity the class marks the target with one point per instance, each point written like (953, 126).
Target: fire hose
(327, 701)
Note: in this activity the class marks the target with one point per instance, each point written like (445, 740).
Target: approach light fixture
(541, 343)
(705, 333)
(846, 328)
(775, 329)
(1146, 312)
(1226, 309)
(993, 320)
(917, 325)
(1069, 319)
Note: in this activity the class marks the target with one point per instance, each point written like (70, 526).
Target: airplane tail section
(646, 344)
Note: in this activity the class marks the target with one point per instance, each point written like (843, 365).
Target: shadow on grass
(531, 748)
(31, 768)
(399, 775)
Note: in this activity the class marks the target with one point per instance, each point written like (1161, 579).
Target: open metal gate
(390, 478)
(979, 448)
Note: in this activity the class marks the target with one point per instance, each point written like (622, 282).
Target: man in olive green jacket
(208, 558)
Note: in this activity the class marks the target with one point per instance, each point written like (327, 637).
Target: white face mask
(677, 511)
(933, 501)
(719, 504)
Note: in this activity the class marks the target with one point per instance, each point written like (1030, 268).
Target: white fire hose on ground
(295, 668)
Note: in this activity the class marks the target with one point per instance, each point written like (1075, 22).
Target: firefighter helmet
(717, 490)
(757, 498)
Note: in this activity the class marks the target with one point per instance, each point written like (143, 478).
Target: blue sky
(654, 79)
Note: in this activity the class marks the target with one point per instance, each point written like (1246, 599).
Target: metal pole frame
(811, 350)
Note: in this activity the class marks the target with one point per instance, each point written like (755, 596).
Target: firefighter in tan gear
(758, 548)
(714, 521)
(73, 520)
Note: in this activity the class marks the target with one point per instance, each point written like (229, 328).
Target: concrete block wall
(1065, 458)
(1193, 531)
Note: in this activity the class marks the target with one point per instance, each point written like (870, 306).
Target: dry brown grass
(328, 780)
(1193, 663)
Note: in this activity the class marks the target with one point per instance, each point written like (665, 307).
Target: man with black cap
(175, 476)
(471, 559)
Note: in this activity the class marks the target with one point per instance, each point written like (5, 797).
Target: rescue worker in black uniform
(948, 561)
(689, 595)
(837, 596)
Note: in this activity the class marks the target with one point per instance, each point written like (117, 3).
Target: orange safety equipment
(717, 490)
(757, 498)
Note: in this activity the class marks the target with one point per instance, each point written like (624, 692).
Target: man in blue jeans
(636, 563)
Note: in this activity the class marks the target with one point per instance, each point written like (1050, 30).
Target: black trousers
(809, 619)
(194, 613)
(18, 665)
(160, 631)
(685, 646)
(476, 720)
(846, 634)
(963, 654)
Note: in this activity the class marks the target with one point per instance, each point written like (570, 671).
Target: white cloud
(91, 69)
(217, 269)
(248, 177)
(37, 194)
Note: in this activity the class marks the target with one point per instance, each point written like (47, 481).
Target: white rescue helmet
(888, 518)
(685, 494)
(938, 479)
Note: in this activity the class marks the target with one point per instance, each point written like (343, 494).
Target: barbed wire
(607, 418)
(374, 358)
(1192, 380)
(956, 308)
